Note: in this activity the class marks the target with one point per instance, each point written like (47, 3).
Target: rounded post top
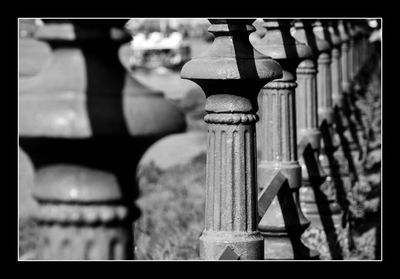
(239, 23)
(231, 58)
(272, 23)
(83, 30)
(362, 27)
(321, 31)
(71, 184)
(317, 23)
(350, 29)
(330, 34)
(230, 26)
(278, 43)
(85, 91)
(344, 36)
(304, 32)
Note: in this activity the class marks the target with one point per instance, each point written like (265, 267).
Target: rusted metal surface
(85, 123)
(283, 222)
(231, 73)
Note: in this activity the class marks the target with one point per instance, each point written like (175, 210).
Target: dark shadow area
(292, 222)
(345, 145)
(116, 155)
(105, 79)
(335, 166)
(105, 76)
(359, 123)
(310, 36)
(244, 57)
(323, 204)
(289, 44)
(327, 34)
(243, 49)
(336, 174)
(110, 147)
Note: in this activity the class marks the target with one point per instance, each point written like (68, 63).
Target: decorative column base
(283, 222)
(247, 246)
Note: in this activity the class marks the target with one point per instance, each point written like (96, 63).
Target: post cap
(72, 184)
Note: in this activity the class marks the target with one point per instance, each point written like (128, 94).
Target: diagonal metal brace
(302, 145)
(228, 254)
(312, 163)
(270, 192)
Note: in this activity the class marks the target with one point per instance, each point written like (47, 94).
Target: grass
(172, 205)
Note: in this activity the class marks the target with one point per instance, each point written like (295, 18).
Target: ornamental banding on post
(306, 109)
(304, 33)
(332, 36)
(322, 50)
(347, 107)
(345, 48)
(356, 53)
(361, 125)
(348, 139)
(85, 122)
(355, 129)
(367, 46)
(366, 34)
(231, 73)
(317, 196)
(283, 222)
(361, 26)
(326, 32)
(82, 215)
(352, 51)
(360, 31)
(340, 78)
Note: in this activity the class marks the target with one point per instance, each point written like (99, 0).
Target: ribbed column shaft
(230, 183)
(231, 73)
(324, 84)
(351, 59)
(356, 55)
(345, 65)
(336, 77)
(278, 129)
(306, 103)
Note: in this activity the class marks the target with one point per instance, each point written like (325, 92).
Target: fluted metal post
(231, 73)
(318, 194)
(283, 222)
